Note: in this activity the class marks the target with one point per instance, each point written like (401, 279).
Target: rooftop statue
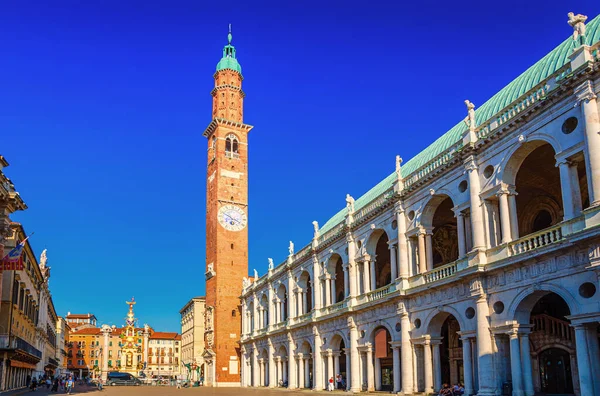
(398, 163)
(577, 22)
(271, 265)
(350, 203)
(255, 275)
(291, 248)
(470, 119)
(43, 259)
(315, 226)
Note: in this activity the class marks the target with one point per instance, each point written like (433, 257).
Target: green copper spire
(228, 61)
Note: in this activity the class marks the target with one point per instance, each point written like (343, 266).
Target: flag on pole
(14, 260)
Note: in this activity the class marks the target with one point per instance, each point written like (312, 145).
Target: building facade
(226, 220)
(164, 354)
(477, 261)
(192, 335)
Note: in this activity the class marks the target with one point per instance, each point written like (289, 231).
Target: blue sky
(104, 104)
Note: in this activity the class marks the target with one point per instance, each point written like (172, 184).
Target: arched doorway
(281, 359)
(383, 360)
(555, 372)
(335, 284)
(341, 364)
(304, 295)
(445, 237)
(281, 304)
(447, 363)
(383, 269)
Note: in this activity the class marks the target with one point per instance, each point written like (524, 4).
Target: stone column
(429, 249)
(526, 360)
(336, 364)
(300, 365)
(255, 318)
(515, 363)
(271, 312)
(468, 366)
(327, 292)
(346, 280)
(585, 94)
(317, 362)
(365, 274)
(316, 283)
(377, 374)
(504, 216)
(427, 370)
(244, 369)
(402, 242)
(106, 330)
(370, 371)
(290, 293)
(261, 371)
(354, 358)
(291, 362)
(255, 368)
(437, 366)
(333, 291)
(460, 227)
(304, 301)
(583, 360)
(329, 366)
(285, 370)
(484, 349)
(396, 368)
(514, 222)
(373, 275)
(422, 254)
(279, 370)
(272, 368)
(570, 189)
(307, 372)
(393, 265)
(476, 214)
(406, 355)
(352, 266)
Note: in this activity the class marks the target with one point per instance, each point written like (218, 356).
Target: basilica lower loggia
(477, 262)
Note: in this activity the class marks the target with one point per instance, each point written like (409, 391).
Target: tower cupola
(229, 61)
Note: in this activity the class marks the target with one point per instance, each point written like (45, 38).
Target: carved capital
(585, 92)
(470, 164)
(350, 323)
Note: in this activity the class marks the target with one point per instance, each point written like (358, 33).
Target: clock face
(232, 217)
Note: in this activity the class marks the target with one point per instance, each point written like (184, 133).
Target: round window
(394, 225)
(498, 307)
(488, 171)
(569, 125)
(359, 244)
(587, 290)
(417, 323)
(411, 215)
(462, 186)
(470, 313)
(398, 327)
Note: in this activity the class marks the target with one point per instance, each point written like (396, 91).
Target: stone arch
(440, 222)
(381, 324)
(371, 240)
(521, 306)
(510, 164)
(553, 346)
(435, 320)
(282, 351)
(306, 346)
(305, 284)
(335, 268)
(336, 340)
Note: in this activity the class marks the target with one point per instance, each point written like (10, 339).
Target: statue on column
(577, 22)
(470, 119)
(291, 248)
(271, 265)
(315, 227)
(43, 259)
(255, 275)
(349, 203)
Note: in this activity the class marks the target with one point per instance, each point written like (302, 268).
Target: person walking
(330, 385)
(70, 385)
(55, 385)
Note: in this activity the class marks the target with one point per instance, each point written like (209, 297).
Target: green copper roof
(537, 73)
(228, 61)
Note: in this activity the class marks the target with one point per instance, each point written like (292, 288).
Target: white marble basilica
(476, 262)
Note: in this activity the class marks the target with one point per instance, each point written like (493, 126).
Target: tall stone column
(514, 221)
(504, 216)
(346, 268)
(377, 374)
(290, 293)
(373, 275)
(354, 357)
(422, 253)
(396, 368)
(272, 309)
(255, 366)
(300, 365)
(468, 366)
(460, 228)
(370, 370)
(279, 370)
(586, 384)
(327, 292)
(352, 265)
(244, 369)
(317, 363)
(587, 98)
(146, 342)
(427, 369)
(106, 330)
(316, 283)
(393, 265)
(402, 242)
(484, 348)
(307, 372)
(515, 363)
(429, 249)
(272, 367)
(476, 213)
(526, 360)
(304, 302)
(406, 351)
(437, 366)
(291, 362)
(333, 290)
(336, 364)
(570, 189)
(330, 365)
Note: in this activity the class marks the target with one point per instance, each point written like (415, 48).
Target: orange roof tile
(164, 336)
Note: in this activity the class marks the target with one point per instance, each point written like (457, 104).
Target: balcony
(334, 308)
(377, 294)
(15, 343)
(52, 362)
(536, 240)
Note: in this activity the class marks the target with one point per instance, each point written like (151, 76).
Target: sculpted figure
(350, 203)
(398, 163)
(255, 275)
(291, 248)
(315, 226)
(470, 119)
(245, 282)
(271, 265)
(577, 22)
(43, 259)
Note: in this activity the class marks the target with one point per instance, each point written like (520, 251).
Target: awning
(16, 363)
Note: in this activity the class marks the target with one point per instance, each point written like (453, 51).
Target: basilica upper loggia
(476, 262)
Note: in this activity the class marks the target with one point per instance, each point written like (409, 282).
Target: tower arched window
(232, 146)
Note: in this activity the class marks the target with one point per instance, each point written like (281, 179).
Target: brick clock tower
(226, 222)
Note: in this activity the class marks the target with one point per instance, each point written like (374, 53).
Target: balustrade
(442, 272)
(536, 240)
(553, 326)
